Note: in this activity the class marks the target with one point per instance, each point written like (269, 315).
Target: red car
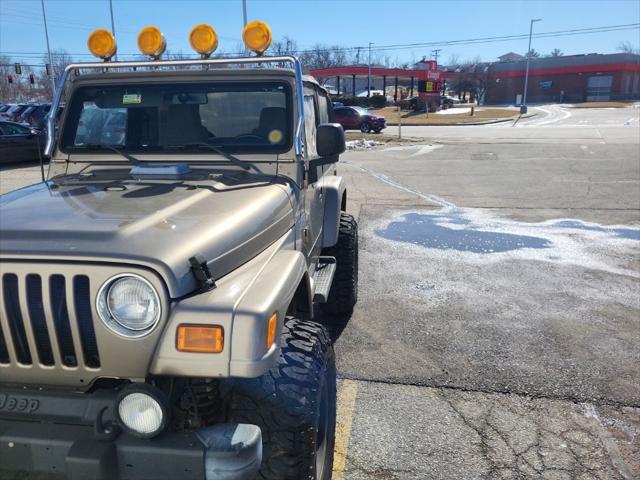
(358, 118)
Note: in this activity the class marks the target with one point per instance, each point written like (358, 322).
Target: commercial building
(575, 78)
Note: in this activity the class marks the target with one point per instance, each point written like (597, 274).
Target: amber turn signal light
(200, 338)
(271, 329)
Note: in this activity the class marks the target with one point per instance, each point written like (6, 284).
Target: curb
(487, 122)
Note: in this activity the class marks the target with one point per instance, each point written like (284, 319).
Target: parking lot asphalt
(497, 334)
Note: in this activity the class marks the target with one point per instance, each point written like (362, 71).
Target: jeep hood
(159, 224)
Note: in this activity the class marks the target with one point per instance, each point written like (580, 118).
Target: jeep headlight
(129, 305)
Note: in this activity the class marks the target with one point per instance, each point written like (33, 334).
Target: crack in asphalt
(598, 402)
(541, 455)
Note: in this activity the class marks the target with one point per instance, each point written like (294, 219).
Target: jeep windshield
(172, 118)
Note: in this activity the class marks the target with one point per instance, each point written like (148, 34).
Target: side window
(323, 107)
(310, 125)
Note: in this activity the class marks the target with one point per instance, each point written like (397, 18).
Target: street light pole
(113, 25)
(369, 76)
(46, 34)
(523, 107)
(244, 12)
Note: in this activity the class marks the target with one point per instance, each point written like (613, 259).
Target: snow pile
(454, 111)
(362, 144)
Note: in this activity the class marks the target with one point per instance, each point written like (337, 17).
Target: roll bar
(297, 67)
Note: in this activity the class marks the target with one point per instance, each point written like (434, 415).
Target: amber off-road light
(102, 44)
(151, 42)
(200, 338)
(257, 36)
(203, 39)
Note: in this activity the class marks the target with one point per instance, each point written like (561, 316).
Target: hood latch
(201, 272)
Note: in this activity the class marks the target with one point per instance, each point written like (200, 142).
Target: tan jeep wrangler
(157, 290)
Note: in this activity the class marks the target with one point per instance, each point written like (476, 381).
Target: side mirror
(33, 132)
(330, 140)
(329, 144)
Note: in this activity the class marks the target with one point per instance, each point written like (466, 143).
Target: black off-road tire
(344, 289)
(291, 403)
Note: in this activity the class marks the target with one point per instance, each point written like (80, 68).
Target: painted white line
(382, 177)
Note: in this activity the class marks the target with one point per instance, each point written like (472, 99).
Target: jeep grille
(47, 319)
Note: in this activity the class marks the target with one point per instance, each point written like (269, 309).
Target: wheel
(294, 404)
(364, 127)
(344, 289)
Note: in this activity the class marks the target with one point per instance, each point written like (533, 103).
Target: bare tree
(454, 59)
(286, 46)
(532, 53)
(556, 52)
(60, 59)
(628, 47)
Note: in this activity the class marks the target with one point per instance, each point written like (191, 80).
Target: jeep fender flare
(271, 292)
(335, 192)
(241, 304)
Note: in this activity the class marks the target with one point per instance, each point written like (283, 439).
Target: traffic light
(10, 79)
(18, 68)
(47, 68)
(32, 80)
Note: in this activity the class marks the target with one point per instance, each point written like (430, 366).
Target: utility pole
(435, 54)
(113, 26)
(523, 107)
(244, 12)
(46, 34)
(369, 76)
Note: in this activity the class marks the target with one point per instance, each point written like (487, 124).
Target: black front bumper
(41, 442)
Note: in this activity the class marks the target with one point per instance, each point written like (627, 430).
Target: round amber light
(151, 42)
(102, 44)
(257, 36)
(203, 39)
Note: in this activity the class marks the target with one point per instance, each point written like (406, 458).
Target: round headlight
(141, 411)
(129, 305)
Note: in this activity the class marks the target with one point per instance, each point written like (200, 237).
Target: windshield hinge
(201, 272)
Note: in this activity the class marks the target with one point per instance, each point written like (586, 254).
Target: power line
(469, 41)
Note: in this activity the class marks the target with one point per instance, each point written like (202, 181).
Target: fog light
(142, 411)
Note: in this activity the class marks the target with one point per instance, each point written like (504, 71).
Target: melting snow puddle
(474, 235)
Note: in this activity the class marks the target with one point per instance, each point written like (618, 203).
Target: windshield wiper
(233, 159)
(97, 146)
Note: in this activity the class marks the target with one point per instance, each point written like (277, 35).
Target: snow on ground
(362, 144)
(453, 111)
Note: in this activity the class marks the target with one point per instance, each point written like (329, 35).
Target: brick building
(572, 78)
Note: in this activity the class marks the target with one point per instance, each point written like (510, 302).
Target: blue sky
(346, 22)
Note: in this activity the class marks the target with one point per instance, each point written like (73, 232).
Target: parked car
(365, 93)
(35, 115)
(409, 103)
(19, 143)
(14, 112)
(448, 100)
(358, 118)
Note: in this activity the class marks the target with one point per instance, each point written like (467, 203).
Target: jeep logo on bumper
(9, 403)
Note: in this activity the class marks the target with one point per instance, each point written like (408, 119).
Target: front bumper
(36, 440)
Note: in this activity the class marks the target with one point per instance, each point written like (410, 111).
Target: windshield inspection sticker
(275, 136)
(129, 98)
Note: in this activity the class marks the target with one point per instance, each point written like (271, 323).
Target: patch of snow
(362, 144)
(454, 111)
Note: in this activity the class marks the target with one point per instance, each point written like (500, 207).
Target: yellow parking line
(347, 393)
